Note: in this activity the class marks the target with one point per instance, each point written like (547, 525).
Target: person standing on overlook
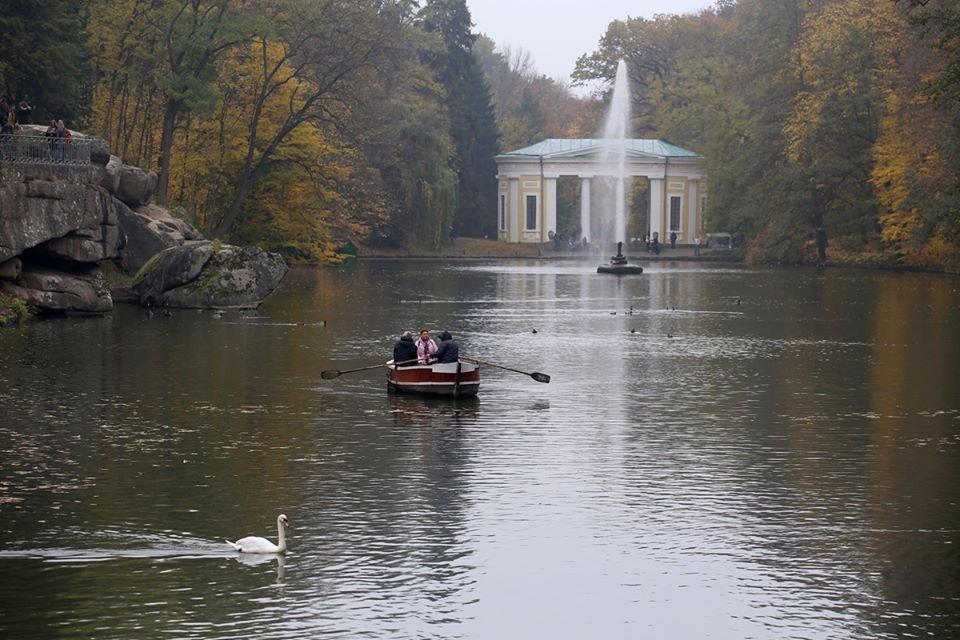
(51, 135)
(63, 139)
(24, 111)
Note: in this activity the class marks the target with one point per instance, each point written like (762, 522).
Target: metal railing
(27, 149)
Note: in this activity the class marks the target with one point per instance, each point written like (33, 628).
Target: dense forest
(301, 125)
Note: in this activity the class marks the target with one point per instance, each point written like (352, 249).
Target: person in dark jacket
(448, 351)
(405, 350)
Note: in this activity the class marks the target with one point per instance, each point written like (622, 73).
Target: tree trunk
(248, 180)
(166, 149)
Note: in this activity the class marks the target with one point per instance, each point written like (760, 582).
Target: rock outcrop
(136, 186)
(40, 211)
(82, 292)
(148, 230)
(207, 275)
(59, 221)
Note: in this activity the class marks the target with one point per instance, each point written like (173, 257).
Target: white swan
(256, 544)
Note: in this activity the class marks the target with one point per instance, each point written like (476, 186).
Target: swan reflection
(254, 559)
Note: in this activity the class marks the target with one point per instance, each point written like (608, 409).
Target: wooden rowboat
(451, 379)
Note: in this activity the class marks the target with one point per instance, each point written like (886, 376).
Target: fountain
(613, 199)
(618, 264)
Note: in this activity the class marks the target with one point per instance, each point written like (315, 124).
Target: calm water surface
(783, 467)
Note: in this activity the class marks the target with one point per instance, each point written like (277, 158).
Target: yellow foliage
(299, 202)
(832, 47)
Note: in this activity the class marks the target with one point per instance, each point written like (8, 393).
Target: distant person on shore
(405, 351)
(673, 239)
(696, 246)
(448, 351)
(24, 111)
(820, 236)
(426, 347)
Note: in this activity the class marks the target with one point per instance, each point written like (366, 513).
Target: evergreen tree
(473, 126)
(43, 57)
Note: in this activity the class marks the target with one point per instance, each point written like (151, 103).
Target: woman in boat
(448, 351)
(405, 350)
(426, 347)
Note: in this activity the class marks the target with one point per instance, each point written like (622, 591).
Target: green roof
(579, 146)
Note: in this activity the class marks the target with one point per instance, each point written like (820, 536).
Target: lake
(722, 452)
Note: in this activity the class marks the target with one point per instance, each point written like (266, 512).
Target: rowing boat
(452, 379)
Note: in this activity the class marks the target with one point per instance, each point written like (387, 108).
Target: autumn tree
(324, 47)
(192, 34)
(925, 227)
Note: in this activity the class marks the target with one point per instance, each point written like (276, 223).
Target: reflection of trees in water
(437, 428)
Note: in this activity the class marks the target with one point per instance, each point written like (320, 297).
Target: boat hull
(450, 379)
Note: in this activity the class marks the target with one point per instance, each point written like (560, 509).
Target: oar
(536, 375)
(330, 374)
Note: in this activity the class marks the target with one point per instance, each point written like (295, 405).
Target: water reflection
(785, 466)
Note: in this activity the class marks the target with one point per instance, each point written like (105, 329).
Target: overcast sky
(557, 32)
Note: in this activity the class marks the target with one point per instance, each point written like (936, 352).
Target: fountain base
(618, 264)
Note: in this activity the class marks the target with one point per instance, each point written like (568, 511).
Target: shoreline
(479, 249)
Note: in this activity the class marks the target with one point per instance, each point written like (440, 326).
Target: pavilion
(527, 190)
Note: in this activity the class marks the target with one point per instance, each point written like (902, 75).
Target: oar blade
(540, 377)
(329, 374)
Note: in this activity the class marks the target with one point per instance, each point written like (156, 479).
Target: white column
(513, 211)
(551, 209)
(584, 208)
(656, 207)
(693, 204)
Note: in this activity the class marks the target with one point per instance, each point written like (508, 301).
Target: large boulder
(169, 269)
(99, 151)
(146, 232)
(226, 277)
(61, 292)
(136, 186)
(38, 211)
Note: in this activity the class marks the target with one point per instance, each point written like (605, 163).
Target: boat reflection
(423, 411)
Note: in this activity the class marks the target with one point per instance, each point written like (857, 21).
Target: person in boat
(405, 350)
(426, 347)
(448, 351)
